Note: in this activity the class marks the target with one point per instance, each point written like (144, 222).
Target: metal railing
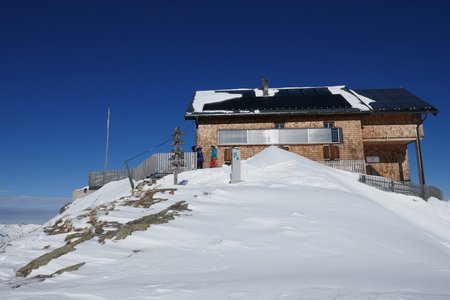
(156, 165)
(98, 179)
(356, 166)
(402, 187)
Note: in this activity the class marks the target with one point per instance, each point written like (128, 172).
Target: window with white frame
(328, 124)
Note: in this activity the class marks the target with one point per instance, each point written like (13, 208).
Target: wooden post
(177, 153)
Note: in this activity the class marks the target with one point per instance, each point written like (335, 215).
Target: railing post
(423, 192)
(129, 175)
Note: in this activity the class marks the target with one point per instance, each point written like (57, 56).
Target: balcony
(392, 133)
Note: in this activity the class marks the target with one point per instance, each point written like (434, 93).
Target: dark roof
(395, 100)
(313, 101)
(281, 103)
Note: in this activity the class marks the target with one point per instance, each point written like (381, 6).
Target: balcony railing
(356, 166)
(402, 187)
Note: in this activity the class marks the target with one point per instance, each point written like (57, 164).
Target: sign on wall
(373, 159)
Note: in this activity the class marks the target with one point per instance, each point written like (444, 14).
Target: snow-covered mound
(293, 229)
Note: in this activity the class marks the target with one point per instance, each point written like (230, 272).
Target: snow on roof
(367, 101)
(213, 96)
(353, 98)
(205, 97)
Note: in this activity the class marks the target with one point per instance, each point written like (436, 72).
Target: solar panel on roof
(244, 93)
(281, 103)
(294, 92)
(309, 92)
(318, 100)
(283, 93)
(395, 99)
(323, 91)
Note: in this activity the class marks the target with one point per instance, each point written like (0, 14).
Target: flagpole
(107, 139)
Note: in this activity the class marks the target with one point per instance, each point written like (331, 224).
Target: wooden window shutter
(335, 152)
(227, 154)
(326, 152)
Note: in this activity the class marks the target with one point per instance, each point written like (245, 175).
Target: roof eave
(406, 111)
(195, 115)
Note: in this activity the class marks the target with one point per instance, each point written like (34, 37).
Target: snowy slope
(12, 231)
(293, 229)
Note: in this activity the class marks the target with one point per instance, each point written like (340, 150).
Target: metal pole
(129, 175)
(419, 152)
(419, 156)
(128, 169)
(107, 139)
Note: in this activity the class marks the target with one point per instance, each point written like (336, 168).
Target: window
(331, 152)
(289, 136)
(279, 125)
(336, 135)
(328, 124)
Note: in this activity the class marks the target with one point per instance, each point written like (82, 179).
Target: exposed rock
(148, 199)
(99, 230)
(59, 227)
(43, 277)
(143, 223)
(44, 259)
(102, 229)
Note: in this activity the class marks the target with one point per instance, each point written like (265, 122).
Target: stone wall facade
(363, 135)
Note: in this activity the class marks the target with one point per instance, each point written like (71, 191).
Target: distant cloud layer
(29, 210)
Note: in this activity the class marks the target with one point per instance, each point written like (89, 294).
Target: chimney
(265, 86)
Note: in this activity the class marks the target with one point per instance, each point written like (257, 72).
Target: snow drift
(293, 229)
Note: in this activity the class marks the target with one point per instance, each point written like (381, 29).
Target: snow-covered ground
(293, 229)
(10, 232)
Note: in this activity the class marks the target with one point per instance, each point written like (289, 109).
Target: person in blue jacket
(213, 162)
(199, 158)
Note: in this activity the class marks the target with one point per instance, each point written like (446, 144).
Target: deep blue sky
(62, 63)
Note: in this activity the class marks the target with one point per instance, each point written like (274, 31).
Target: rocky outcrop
(104, 230)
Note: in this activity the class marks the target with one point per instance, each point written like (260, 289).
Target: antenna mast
(107, 139)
